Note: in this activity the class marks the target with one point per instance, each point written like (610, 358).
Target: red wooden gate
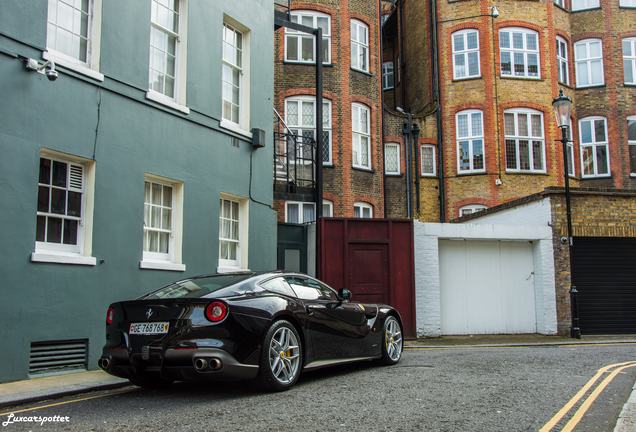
(374, 259)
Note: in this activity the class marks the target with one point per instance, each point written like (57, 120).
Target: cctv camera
(50, 71)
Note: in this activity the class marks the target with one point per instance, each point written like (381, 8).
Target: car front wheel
(281, 357)
(392, 341)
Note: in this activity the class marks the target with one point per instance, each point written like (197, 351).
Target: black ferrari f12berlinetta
(268, 326)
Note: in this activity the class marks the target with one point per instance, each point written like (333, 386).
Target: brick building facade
(497, 78)
(352, 169)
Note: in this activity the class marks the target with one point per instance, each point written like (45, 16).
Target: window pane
(460, 67)
(74, 204)
(462, 125)
(45, 171)
(504, 39)
(586, 132)
(292, 213)
(506, 66)
(476, 123)
(511, 154)
(40, 228)
(43, 199)
(292, 47)
(597, 72)
(524, 155)
(588, 160)
(58, 201)
(632, 161)
(478, 154)
(464, 156)
(54, 230)
(631, 130)
(163, 242)
(537, 154)
(459, 42)
(59, 173)
(601, 159)
(629, 71)
(471, 40)
(70, 232)
(509, 124)
(473, 63)
(307, 53)
(599, 130)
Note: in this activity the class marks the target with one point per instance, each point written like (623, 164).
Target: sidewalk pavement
(514, 340)
(37, 389)
(627, 418)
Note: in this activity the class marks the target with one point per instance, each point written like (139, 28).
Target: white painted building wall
(428, 294)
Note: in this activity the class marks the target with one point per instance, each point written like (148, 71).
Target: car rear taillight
(216, 311)
(110, 313)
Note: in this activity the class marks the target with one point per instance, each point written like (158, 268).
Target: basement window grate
(58, 356)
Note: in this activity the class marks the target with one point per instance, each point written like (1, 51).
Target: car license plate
(149, 328)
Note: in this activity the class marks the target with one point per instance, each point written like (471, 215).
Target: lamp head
(562, 106)
(494, 12)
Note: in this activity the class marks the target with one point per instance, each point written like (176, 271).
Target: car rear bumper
(178, 364)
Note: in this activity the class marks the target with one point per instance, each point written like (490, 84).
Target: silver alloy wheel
(284, 355)
(393, 339)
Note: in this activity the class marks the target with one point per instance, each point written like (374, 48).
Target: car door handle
(309, 310)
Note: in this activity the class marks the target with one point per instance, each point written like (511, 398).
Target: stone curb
(627, 418)
(26, 398)
(522, 344)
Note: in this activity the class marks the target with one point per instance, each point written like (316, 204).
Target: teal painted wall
(55, 301)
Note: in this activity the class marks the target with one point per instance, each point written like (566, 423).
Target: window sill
(597, 177)
(363, 169)
(517, 172)
(590, 86)
(226, 269)
(585, 10)
(561, 7)
(363, 72)
(68, 63)
(59, 258)
(388, 88)
(302, 63)
(470, 173)
(386, 174)
(428, 176)
(225, 124)
(161, 265)
(471, 78)
(328, 165)
(521, 78)
(629, 84)
(165, 100)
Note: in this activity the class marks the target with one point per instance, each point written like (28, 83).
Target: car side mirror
(344, 294)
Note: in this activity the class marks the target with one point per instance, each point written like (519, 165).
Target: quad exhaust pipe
(202, 364)
(104, 363)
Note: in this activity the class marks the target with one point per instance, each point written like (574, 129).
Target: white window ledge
(75, 66)
(51, 257)
(226, 124)
(230, 269)
(161, 265)
(165, 100)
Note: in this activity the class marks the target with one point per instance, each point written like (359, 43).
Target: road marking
(568, 406)
(67, 402)
(551, 345)
(578, 415)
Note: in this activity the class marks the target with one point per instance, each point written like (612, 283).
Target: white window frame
(328, 206)
(388, 75)
(172, 260)
(178, 101)
(525, 51)
(465, 53)
(631, 144)
(594, 145)
(470, 209)
(242, 253)
(630, 4)
(361, 206)
(587, 63)
(433, 150)
(243, 125)
(358, 133)
(629, 61)
(299, 127)
(571, 154)
(296, 16)
(517, 112)
(471, 138)
(395, 146)
(301, 211)
(356, 27)
(90, 67)
(581, 5)
(562, 60)
(71, 254)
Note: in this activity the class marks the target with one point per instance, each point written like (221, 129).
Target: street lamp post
(562, 110)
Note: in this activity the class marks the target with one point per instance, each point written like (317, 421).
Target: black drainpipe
(436, 92)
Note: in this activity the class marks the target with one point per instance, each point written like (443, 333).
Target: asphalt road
(459, 389)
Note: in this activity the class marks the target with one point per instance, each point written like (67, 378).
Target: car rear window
(220, 285)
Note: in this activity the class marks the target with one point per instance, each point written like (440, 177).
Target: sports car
(268, 326)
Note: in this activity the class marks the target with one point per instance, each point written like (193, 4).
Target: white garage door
(487, 287)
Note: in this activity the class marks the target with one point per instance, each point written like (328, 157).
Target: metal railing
(294, 158)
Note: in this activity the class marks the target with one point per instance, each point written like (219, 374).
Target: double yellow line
(612, 370)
